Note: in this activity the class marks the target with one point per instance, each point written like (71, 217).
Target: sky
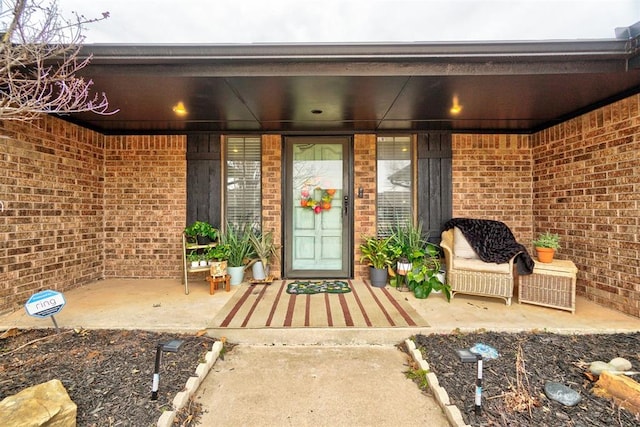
(354, 21)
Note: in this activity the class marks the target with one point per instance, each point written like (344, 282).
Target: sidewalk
(315, 386)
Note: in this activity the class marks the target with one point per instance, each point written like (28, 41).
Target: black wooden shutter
(204, 168)
(434, 182)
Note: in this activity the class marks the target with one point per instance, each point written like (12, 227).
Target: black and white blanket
(493, 241)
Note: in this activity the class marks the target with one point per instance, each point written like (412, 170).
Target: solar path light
(172, 346)
(476, 354)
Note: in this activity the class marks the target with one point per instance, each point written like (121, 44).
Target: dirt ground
(107, 373)
(513, 383)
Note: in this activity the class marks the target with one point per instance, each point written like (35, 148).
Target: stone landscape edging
(182, 398)
(452, 412)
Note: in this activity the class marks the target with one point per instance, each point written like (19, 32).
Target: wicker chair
(474, 276)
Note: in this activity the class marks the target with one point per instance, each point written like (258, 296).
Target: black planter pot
(203, 240)
(378, 277)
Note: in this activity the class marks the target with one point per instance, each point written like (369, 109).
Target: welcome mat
(256, 307)
(310, 287)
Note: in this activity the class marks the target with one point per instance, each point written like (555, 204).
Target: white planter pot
(258, 271)
(237, 274)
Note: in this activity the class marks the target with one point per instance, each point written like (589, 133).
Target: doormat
(325, 286)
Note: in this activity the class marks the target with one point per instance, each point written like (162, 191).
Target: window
(243, 201)
(394, 182)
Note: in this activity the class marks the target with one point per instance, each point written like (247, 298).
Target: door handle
(345, 206)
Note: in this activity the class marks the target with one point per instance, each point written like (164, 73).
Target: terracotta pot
(545, 254)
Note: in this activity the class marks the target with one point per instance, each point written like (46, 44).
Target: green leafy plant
(202, 229)
(418, 376)
(424, 276)
(378, 252)
(238, 240)
(220, 252)
(263, 247)
(547, 240)
(407, 241)
(193, 256)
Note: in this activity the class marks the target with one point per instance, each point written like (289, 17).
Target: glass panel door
(317, 232)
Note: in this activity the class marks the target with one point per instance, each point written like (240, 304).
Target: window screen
(243, 201)
(394, 182)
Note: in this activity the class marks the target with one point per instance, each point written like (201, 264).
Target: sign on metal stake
(45, 304)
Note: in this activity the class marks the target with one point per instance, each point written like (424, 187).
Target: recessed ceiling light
(316, 111)
(180, 109)
(456, 108)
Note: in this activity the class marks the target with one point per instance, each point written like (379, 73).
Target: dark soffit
(515, 87)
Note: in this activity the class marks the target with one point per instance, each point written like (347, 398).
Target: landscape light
(172, 346)
(478, 353)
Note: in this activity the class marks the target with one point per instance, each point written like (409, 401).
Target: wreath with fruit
(309, 201)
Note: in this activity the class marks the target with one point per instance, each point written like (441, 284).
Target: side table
(551, 285)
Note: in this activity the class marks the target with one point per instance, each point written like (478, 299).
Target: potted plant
(407, 242)
(264, 250)
(217, 257)
(194, 259)
(378, 253)
(418, 264)
(546, 245)
(201, 232)
(237, 239)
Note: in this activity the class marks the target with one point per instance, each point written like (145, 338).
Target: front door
(317, 207)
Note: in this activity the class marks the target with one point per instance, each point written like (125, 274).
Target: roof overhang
(501, 86)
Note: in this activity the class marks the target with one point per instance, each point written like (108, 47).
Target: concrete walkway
(302, 377)
(315, 386)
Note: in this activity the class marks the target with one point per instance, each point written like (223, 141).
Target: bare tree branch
(39, 62)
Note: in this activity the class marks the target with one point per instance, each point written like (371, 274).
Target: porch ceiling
(503, 87)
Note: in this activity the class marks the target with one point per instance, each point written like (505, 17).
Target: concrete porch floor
(161, 305)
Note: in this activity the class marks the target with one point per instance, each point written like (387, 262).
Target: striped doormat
(269, 306)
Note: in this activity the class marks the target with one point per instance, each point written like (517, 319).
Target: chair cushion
(461, 247)
(479, 265)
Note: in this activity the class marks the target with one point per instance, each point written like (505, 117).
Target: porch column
(364, 169)
(271, 192)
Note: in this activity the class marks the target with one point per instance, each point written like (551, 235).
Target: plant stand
(401, 283)
(214, 282)
(186, 267)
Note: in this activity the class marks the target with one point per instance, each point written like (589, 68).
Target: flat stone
(46, 404)
(561, 393)
(621, 364)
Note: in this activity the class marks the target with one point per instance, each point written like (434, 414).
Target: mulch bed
(107, 373)
(542, 357)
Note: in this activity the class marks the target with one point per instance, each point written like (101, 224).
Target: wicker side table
(551, 285)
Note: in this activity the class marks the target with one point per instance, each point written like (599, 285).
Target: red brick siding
(51, 184)
(364, 167)
(271, 193)
(587, 189)
(145, 205)
(492, 180)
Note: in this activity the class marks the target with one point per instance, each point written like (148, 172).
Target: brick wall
(364, 168)
(587, 189)
(271, 193)
(144, 205)
(51, 185)
(492, 179)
